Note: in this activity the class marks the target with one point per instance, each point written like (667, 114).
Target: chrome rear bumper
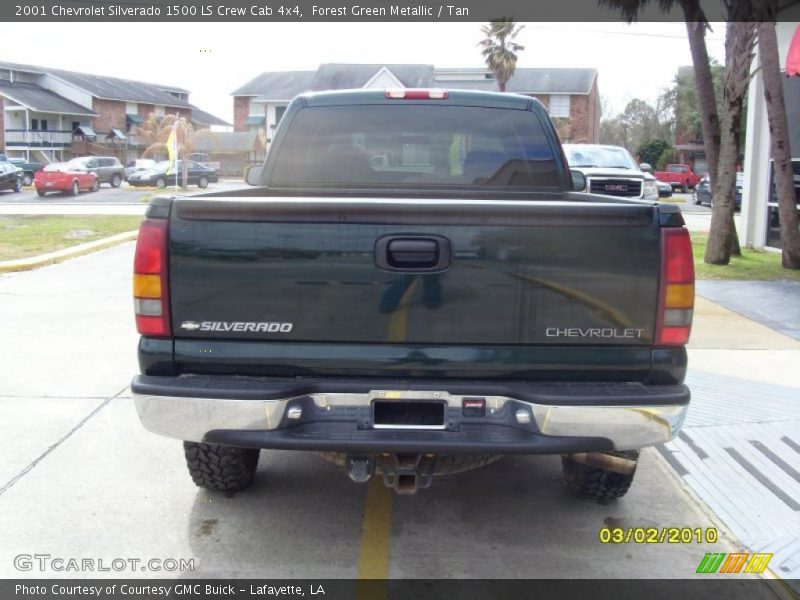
(343, 420)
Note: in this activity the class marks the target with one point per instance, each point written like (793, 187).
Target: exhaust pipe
(609, 462)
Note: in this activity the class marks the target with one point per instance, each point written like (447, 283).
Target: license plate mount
(408, 414)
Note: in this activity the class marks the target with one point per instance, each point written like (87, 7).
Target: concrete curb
(34, 262)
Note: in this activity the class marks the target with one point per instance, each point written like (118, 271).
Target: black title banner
(362, 10)
(729, 588)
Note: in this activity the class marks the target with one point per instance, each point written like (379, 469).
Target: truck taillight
(150, 279)
(676, 288)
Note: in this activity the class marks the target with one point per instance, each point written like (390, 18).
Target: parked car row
(87, 173)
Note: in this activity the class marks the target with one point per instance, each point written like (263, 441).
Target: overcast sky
(213, 59)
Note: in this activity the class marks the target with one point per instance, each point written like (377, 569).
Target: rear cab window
(411, 145)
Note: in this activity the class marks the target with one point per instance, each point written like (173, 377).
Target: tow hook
(406, 473)
(610, 462)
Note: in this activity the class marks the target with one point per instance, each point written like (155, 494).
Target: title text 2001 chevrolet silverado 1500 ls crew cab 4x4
(413, 289)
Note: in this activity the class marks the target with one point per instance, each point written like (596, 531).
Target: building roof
(110, 88)
(204, 118)
(223, 142)
(278, 85)
(284, 85)
(334, 76)
(33, 97)
(114, 88)
(524, 81)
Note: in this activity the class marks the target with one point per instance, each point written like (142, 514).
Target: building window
(279, 110)
(559, 106)
(35, 124)
(44, 124)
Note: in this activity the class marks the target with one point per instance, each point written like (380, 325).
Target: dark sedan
(702, 191)
(161, 175)
(10, 177)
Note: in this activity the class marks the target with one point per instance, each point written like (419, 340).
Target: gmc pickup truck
(413, 288)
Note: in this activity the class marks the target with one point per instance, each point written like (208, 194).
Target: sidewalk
(740, 445)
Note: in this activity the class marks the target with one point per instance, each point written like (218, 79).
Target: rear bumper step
(337, 415)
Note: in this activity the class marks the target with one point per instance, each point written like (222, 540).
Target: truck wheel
(27, 179)
(116, 180)
(222, 468)
(202, 182)
(41, 193)
(586, 481)
(161, 183)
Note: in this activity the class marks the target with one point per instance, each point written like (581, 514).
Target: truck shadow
(303, 518)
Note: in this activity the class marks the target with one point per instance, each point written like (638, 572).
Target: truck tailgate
(521, 274)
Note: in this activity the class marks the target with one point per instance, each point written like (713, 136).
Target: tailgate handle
(417, 254)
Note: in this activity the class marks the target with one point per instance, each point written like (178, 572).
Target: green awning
(86, 131)
(116, 133)
(134, 118)
(255, 120)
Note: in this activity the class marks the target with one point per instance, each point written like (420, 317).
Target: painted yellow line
(399, 318)
(373, 558)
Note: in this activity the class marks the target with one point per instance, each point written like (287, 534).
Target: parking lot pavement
(84, 479)
(687, 204)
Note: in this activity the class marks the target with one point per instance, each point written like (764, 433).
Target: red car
(62, 177)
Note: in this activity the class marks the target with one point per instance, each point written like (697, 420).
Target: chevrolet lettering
(593, 332)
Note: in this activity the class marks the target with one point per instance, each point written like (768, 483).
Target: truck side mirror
(253, 175)
(645, 167)
(578, 180)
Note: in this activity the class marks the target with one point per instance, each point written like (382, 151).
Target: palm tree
(723, 229)
(499, 49)
(155, 132)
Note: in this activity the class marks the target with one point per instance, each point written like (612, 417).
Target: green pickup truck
(28, 169)
(411, 288)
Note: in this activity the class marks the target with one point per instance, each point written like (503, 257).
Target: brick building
(571, 95)
(53, 114)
